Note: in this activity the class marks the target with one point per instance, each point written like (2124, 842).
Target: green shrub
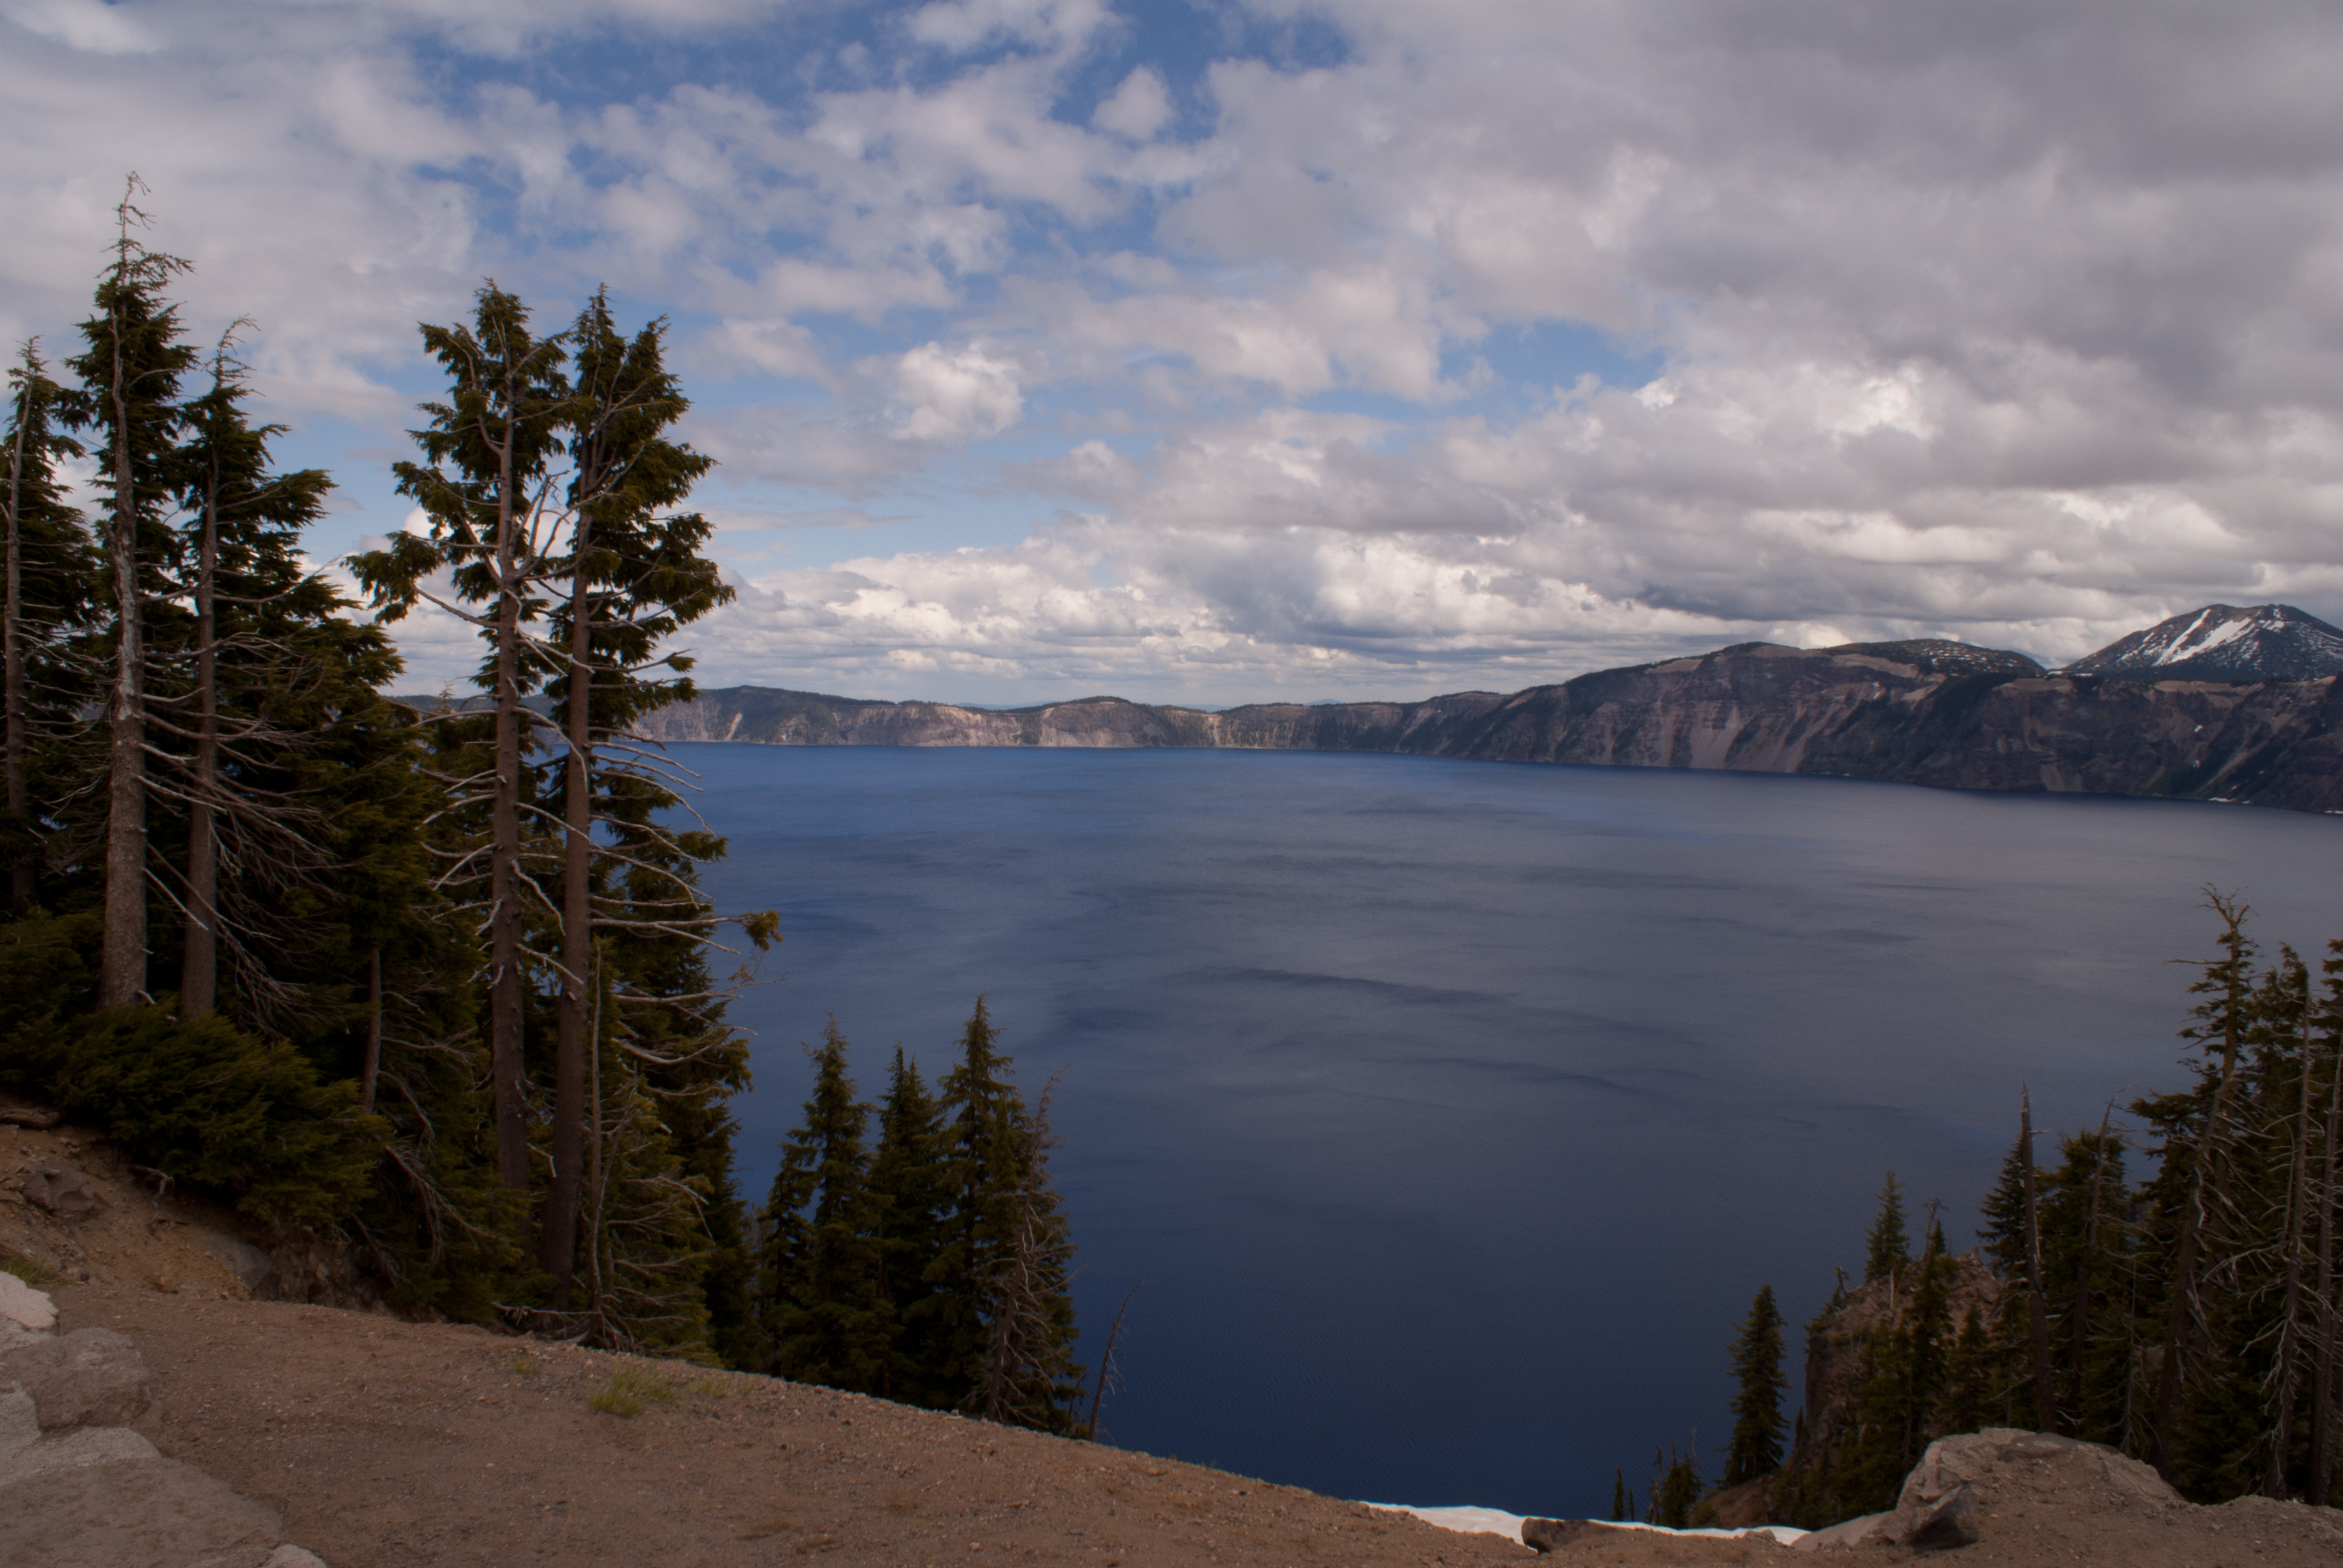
(199, 1100)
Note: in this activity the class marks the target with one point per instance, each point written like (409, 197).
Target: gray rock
(91, 1377)
(1869, 1529)
(149, 1513)
(24, 1306)
(1950, 1521)
(26, 1451)
(291, 1556)
(1980, 1459)
(1546, 1535)
(247, 1262)
(61, 1190)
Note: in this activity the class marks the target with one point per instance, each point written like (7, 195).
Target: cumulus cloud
(1137, 110)
(950, 396)
(2020, 325)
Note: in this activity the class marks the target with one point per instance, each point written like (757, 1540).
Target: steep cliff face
(1942, 714)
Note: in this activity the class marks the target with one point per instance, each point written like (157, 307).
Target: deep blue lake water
(1451, 1112)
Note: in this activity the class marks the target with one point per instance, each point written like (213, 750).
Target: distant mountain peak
(2224, 642)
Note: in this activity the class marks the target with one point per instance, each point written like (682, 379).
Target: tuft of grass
(524, 1365)
(628, 1387)
(713, 1387)
(32, 1273)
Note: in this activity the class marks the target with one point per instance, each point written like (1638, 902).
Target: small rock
(1951, 1522)
(1546, 1535)
(247, 1262)
(22, 1306)
(291, 1556)
(60, 1189)
(91, 1377)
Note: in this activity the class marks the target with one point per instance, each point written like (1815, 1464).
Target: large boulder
(1992, 1459)
(91, 1377)
(145, 1512)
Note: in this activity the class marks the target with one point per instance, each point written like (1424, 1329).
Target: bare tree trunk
(506, 996)
(21, 886)
(594, 1172)
(122, 957)
(2289, 1339)
(557, 1248)
(2037, 1309)
(199, 963)
(370, 1069)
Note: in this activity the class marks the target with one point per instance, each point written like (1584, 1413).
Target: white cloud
(2006, 324)
(956, 396)
(88, 24)
(1137, 110)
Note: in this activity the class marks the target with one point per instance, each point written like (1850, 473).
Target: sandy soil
(387, 1443)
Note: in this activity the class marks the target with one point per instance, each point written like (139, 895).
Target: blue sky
(1214, 352)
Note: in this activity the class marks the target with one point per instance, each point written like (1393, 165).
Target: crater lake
(1448, 1114)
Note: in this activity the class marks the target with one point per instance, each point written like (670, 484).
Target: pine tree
(1030, 1377)
(634, 576)
(51, 595)
(983, 1169)
(1756, 1448)
(130, 366)
(908, 1201)
(2221, 1024)
(1622, 1500)
(273, 665)
(829, 1323)
(1886, 1248)
(487, 451)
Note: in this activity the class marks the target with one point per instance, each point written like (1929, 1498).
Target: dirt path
(390, 1443)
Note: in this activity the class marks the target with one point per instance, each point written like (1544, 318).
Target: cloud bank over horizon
(1218, 352)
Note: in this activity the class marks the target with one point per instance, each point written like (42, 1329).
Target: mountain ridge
(2223, 642)
(1940, 714)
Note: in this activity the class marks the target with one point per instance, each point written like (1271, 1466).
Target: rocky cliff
(1937, 713)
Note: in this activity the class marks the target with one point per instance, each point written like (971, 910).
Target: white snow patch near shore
(1497, 1521)
(1467, 1520)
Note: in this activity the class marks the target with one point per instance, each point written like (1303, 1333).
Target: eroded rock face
(1937, 713)
(91, 1377)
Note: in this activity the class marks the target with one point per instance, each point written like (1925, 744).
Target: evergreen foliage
(936, 1270)
(2189, 1318)
(1756, 1448)
(1887, 1249)
(208, 785)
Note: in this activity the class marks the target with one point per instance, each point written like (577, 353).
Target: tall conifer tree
(909, 1197)
(130, 366)
(1757, 1422)
(51, 594)
(1887, 1248)
(830, 1322)
(481, 484)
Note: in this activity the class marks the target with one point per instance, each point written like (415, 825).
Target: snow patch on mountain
(2224, 642)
